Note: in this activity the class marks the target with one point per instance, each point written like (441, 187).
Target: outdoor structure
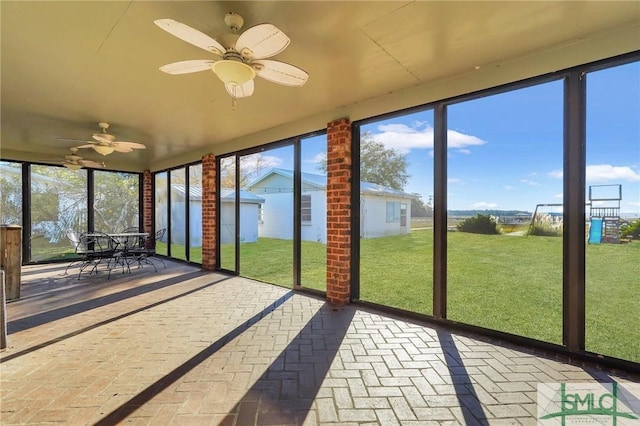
(249, 211)
(249, 215)
(604, 214)
(178, 222)
(383, 211)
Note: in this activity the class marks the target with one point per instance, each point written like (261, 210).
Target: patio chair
(147, 250)
(79, 248)
(100, 249)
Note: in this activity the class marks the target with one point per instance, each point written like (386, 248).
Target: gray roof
(227, 195)
(320, 181)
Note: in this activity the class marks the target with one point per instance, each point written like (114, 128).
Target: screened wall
(272, 215)
(48, 201)
(535, 209)
(177, 215)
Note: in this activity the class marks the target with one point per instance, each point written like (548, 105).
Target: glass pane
(116, 201)
(58, 203)
(505, 158)
(178, 210)
(396, 212)
(161, 210)
(10, 193)
(195, 213)
(313, 214)
(266, 216)
(228, 213)
(613, 212)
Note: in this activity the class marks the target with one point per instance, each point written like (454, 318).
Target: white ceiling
(67, 65)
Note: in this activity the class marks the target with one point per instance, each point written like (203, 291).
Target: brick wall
(209, 212)
(339, 211)
(147, 202)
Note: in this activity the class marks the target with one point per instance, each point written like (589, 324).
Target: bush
(631, 230)
(479, 224)
(546, 225)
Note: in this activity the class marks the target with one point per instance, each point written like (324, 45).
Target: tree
(251, 167)
(380, 165)
(418, 208)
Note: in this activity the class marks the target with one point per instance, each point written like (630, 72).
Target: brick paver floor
(183, 346)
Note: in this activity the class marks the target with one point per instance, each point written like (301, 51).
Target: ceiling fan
(105, 143)
(239, 57)
(75, 162)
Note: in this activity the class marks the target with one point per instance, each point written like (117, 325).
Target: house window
(403, 214)
(260, 213)
(393, 212)
(305, 208)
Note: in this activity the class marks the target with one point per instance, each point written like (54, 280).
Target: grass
(507, 283)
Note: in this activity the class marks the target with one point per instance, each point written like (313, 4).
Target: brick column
(209, 212)
(147, 202)
(339, 211)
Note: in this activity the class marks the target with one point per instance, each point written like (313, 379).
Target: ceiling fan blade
(132, 145)
(121, 148)
(242, 91)
(261, 41)
(190, 35)
(91, 163)
(72, 140)
(186, 67)
(280, 72)
(88, 145)
(101, 138)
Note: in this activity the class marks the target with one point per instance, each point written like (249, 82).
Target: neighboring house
(383, 211)
(249, 211)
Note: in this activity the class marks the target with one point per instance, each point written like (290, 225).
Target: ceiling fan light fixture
(72, 166)
(233, 72)
(103, 149)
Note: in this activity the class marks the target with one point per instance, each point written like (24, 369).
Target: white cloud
(420, 136)
(559, 196)
(318, 158)
(482, 205)
(529, 182)
(607, 172)
(454, 180)
(464, 151)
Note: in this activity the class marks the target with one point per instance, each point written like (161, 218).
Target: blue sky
(505, 150)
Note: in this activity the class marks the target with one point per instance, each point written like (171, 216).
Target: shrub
(546, 225)
(479, 224)
(631, 230)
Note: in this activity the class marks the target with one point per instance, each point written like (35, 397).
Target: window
(612, 270)
(505, 158)
(305, 209)
(393, 212)
(395, 261)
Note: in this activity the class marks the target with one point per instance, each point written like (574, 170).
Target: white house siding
(373, 214)
(248, 223)
(316, 230)
(178, 223)
(277, 217)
